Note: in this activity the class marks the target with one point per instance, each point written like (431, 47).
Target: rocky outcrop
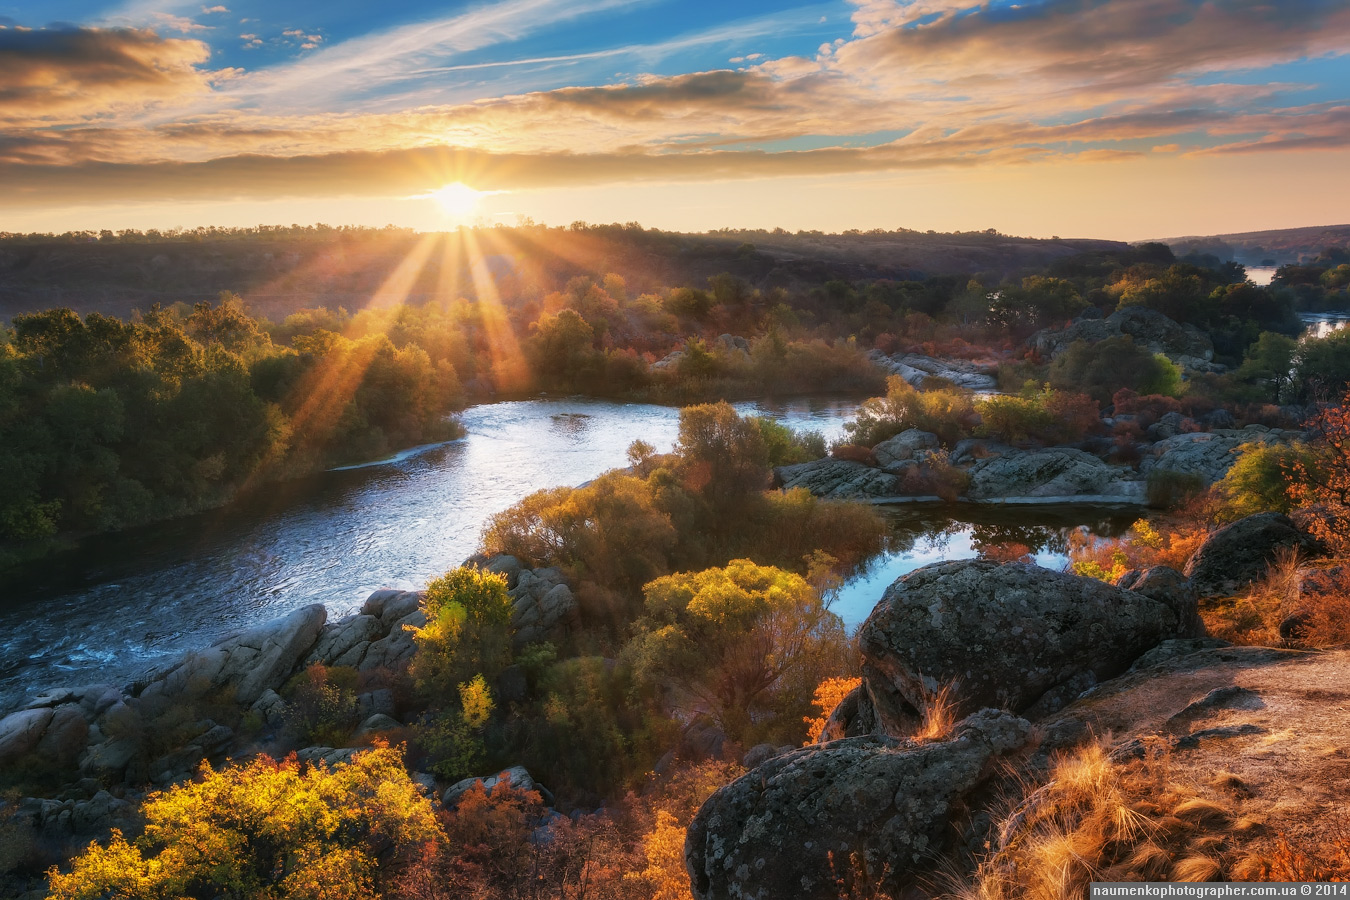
(1008, 635)
(805, 824)
(918, 369)
(516, 776)
(1054, 472)
(1168, 586)
(542, 606)
(837, 479)
(910, 445)
(1240, 553)
(1185, 345)
(1207, 454)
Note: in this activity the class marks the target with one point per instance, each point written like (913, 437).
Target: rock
(669, 363)
(918, 369)
(377, 723)
(1294, 627)
(327, 756)
(1174, 648)
(1183, 344)
(760, 753)
(392, 607)
(907, 445)
(1218, 418)
(1207, 454)
(543, 608)
(20, 732)
(1238, 554)
(1051, 473)
(1168, 586)
(1171, 425)
(110, 760)
(702, 740)
(517, 776)
(732, 343)
(1009, 635)
(270, 706)
(972, 450)
(855, 716)
(340, 638)
(505, 565)
(278, 647)
(774, 831)
(65, 737)
(397, 647)
(380, 700)
(837, 479)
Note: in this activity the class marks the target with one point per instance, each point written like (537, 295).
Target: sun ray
(509, 371)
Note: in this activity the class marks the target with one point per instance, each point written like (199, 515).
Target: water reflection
(927, 534)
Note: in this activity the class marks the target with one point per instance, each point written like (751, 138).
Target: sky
(1124, 119)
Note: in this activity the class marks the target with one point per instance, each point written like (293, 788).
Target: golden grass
(938, 715)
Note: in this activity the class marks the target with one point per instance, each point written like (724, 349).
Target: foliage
(321, 705)
(1325, 486)
(827, 695)
(1105, 367)
(1168, 489)
(268, 829)
(1043, 415)
(455, 738)
(1260, 479)
(743, 644)
(949, 413)
(1269, 363)
(467, 631)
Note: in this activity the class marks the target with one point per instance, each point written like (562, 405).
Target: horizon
(1116, 120)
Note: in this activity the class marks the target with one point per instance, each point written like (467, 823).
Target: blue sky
(957, 114)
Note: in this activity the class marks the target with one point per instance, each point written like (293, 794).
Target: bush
(467, 632)
(854, 453)
(745, 644)
(1262, 478)
(1105, 367)
(268, 829)
(321, 705)
(949, 413)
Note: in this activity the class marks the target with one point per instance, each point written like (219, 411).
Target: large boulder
(1051, 473)
(1206, 454)
(1008, 635)
(517, 777)
(1167, 585)
(1240, 553)
(346, 640)
(803, 822)
(20, 732)
(912, 444)
(838, 479)
(543, 607)
(1185, 345)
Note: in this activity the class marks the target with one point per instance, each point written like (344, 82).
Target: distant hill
(281, 270)
(1255, 248)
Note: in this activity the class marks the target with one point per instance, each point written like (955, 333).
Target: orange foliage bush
(829, 694)
(854, 453)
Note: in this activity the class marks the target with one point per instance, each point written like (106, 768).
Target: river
(123, 602)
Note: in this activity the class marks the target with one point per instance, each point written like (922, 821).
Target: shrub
(321, 705)
(268, 829)
(948, 413)
(1105, 367)
(455, 738)
(1326, 485)
(467, 632)
(828, 694)
(745, 644)
(1262, 479)
(854, 453)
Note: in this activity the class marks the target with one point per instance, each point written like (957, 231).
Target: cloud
(61, 75)
(208, 10)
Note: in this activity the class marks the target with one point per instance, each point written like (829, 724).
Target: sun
(456, 200)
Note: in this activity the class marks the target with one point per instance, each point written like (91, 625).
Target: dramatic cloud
(67, 74)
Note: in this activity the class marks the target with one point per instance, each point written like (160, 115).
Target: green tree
(743, 644)
(1270, 363)
(467, 632)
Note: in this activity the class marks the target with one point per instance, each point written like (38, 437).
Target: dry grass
(1253, 618)
(1097, 820)
(938, 715)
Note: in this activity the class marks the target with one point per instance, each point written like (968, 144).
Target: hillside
(280, 271)
(1255, 248)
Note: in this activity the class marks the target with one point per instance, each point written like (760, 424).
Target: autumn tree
(1325, 484)
(467, 632)
(743, 644)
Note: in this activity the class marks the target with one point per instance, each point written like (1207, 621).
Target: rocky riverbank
(1039, 664)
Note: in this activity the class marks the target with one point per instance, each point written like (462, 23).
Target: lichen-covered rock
(1150, 329)
(917, 369)
(905, 446)
(853, 717)
(790, 827)
(1207, 454)
(837, 479)
(1049, 473)
(340, 638)
(1240, 553)
(542, 606)
(1009, 635)
(1168, 586)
